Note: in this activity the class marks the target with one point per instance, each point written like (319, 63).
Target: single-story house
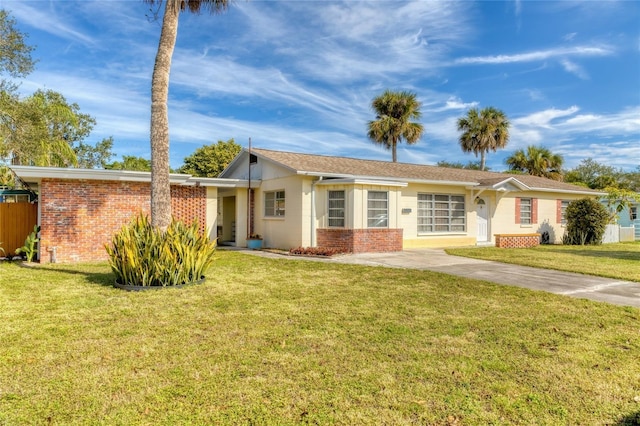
(302, 200)
(364, 205)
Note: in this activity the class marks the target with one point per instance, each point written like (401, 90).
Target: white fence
(617, 233)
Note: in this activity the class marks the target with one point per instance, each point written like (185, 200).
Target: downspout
(313, 211)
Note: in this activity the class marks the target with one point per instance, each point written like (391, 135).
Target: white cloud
(539, 55)
(544, 118)
(575, 69)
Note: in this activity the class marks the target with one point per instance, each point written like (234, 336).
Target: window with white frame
(563, 211)
(336, 208)
(441, 213)
(525, 211)
(274, 203)
(377, 209)
(633, 213)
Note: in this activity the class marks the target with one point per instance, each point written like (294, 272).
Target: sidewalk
(608, 290)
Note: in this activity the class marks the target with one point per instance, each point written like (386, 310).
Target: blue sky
(300, 75)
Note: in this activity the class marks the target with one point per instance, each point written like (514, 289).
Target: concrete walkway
(608, 290)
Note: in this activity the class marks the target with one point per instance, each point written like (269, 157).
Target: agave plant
(142, 255)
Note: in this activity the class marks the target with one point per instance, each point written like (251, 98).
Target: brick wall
(79, 217)
(360, 240)
(517, 240)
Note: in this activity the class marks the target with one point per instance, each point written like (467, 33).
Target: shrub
(586, 222)
(145, 256)
(30, 247)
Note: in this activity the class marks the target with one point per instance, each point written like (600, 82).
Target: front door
(482, 214)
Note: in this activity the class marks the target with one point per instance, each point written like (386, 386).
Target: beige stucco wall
(212, 212)
(503, 220)
(283, 232)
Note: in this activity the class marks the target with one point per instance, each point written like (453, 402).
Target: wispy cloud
(573, 68)
(539, 55)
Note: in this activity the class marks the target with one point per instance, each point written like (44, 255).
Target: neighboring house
(629, 217)
(302, 200)
(364, 205)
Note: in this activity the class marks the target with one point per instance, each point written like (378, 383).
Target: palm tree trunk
(160, 186)
(482, 154)
(394, 154)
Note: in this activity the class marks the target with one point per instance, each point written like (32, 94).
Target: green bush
(586, 222)
(142, 255)
(30, 247)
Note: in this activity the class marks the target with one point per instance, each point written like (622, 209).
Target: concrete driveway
(618, 292)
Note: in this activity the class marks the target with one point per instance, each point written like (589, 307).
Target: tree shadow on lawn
(630, 420)
(105, 279)
(612, 254)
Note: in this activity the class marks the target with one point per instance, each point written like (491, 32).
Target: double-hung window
(563, 211)
(441, 213)
(336, 208)
(274, 203)
(525, 211)
(377, 209)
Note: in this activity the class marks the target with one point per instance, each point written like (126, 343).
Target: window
(563, 211)
(525, 211)
(633, 213)
(441, 213)
(377, 209)
(336, 208)
(274, 203)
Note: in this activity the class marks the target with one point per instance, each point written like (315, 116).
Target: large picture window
(274, 203)
(377, 209)
(441, 213)
(336, 208)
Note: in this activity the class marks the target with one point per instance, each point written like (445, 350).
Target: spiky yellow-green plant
(142, 255)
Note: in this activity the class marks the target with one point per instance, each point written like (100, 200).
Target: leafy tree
(586, 222)
(130, 162)
(210, 160)
(594, 175)
(15, 54)
(42, 129)
(394, 112)
(536, 161)
(160, 186)
(91, 157)
(482, 131)
(471, 165)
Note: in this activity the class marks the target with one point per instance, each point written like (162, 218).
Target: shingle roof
(374, 169)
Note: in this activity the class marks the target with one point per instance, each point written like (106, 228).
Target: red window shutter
(558, 211)
(517, 210)
(534, 210)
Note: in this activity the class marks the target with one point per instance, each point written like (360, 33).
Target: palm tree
(160, 187)
(536, 161)
(394, 110)
(483, 131)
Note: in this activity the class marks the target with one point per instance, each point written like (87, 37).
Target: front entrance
(482, 215)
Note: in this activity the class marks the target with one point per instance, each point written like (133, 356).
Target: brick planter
(517, 240)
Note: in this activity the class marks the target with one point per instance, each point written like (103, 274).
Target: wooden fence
(16, 223)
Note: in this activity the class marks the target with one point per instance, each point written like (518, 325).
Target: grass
(267, 341)
(619, 261)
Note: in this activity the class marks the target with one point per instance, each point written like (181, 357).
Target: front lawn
(267, 341)
(619, 261)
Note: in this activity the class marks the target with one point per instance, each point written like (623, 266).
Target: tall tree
(482, 131)
(211, 160)
(595, 175)
(160, 186)
(536, 161)
(394, 112)
(41, 129)
(130, 162)
(15, 54)
(94, 156)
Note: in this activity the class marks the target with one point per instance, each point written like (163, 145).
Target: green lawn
(620, 261)
(283, 341)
